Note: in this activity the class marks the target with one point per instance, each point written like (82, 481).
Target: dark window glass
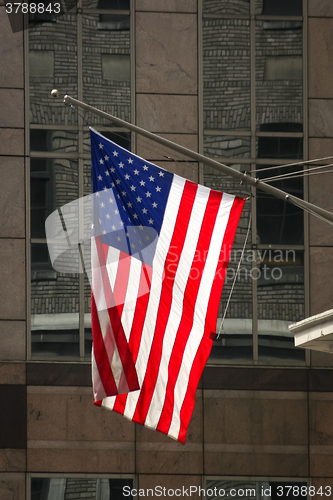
(41, 202)
(114, 4)
(282, 8)
(77, 488)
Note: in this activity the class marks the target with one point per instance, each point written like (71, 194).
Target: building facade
(246, 82)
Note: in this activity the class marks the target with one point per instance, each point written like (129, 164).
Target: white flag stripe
(176, 311)
(201, 309)
(161, 253)
(110, 345)
(112, 262)
(99, 392)
(131, 296)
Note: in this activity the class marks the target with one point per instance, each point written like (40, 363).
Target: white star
(115, 153)
(158, 189)
(104, 232)
(136, 172)
(121, 223)
(99, 220)
(112, 184)
(112, 170)
(113, 227)
(133, 188)
(148, 194)
(118, 196)
(121, 165)
(118, 181)
(151, 178)
(129, 204)
(105, 188)
(138, 199)
(154, 205)
(110, 200)
(151, 221)
(107, 173)
(127, 177)
(100, 145)
(130, 160)
(144, 210)
(161, 174)
(102, 205)
(124, 208)
(106, 158)
(123, 193)
(145, 167)
(108, 216)
(116, 212)
(132, 245)
(97, 194)
(100, 178)
(119, 239)
(141, 227)
(135, 216)
(101, 161)
(142, 183)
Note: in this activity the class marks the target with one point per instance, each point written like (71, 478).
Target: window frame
(253, 134)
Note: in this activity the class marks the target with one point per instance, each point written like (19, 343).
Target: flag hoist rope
(242, 177)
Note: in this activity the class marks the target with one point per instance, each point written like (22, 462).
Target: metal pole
(242, 177)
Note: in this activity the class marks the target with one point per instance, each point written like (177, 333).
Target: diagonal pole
(242, 177)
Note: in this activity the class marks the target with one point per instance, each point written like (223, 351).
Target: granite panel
(320, 47)
(286, 464)
(12, 460)
(11, 108)
(13, 421)
(320, 8)
(12, 340)
(256, 418)
(320, 194)
(12, 486)
(153, 151)
(12, 276)
(320, 420)
(320, 118)
(80, 460)
(321, 148)
(60, 374)
(254, 379)
(166, 53)
(11, 142)
(11, 53)
(167, 5)
(167, 113)
(158, 454)
(12, 202)
(12, 373)
(60, 414)
(321, 434)
(321, 291)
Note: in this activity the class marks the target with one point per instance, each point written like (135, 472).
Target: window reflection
(78, 488)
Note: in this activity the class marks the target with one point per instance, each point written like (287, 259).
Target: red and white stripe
(168, 330)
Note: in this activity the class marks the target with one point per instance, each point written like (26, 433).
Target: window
(73, 55)
(76, 488)
(252, 120)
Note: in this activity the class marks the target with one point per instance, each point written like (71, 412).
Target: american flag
(160, 249)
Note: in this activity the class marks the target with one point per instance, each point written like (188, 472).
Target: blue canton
(129, 198)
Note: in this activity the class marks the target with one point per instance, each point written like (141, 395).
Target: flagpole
(242, 177)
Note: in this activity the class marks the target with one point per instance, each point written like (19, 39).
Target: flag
(160, 248)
